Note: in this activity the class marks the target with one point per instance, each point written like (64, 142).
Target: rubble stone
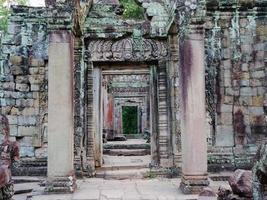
(241, 183)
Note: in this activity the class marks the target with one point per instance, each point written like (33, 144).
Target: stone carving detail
(9, 155)
(123, 50)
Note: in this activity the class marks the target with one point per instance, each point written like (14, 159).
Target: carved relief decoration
(126, 50)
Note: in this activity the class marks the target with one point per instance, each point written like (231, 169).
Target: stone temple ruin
(194, 72)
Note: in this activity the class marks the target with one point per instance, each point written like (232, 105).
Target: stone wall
(236, 77)
(24, 78)
(236, 65)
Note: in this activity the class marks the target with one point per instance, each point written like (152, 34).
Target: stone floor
(144, 189)
(126, 160)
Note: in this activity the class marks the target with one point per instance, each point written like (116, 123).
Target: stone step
(125, 146)
(122, 174)
(122, 167)
(23, 188)
(126, 152)
(222, 176)
(27, 179)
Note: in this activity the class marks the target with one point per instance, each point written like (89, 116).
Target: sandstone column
(60, 112)
(194, 146)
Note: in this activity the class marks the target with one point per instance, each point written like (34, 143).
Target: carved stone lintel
(127, 50)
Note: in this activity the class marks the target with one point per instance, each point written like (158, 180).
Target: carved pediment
(127, 49)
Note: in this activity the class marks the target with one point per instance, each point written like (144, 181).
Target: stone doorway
(131, 121)
(118, 90)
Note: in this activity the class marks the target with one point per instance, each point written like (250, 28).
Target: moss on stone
(132, 10)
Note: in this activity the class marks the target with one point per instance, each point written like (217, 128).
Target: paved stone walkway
(100, 189)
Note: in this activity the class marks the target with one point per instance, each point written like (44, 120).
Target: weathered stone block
(37, 70)
(226, 64)
(241, 183)
(42, 70)
(229, 91)
(8, 86)
(227, 81)
(16, 60)
(257, 101)
(22, 79)
(36, 79)
(260, 56)
(228, 99)
(35, 88)
(30, 111)
(227, 73)
(37, 140)
(246, 49)
(12, 119)
(19, 70)
(13, 28)
(259, 65)
(257, 120)
(36, 62)
(224, 136)
(15, 111)
(12, 94)
(244, 82)
(27, 130)
(226, 108)
(256, 110)
(7, 102)
(244, 67)
(245, 100)
(261, 30)
(241, 108)
(245, 76)
(248, 91)
(226, 118)
(26, 152)
(258, 74)
(27, 120)
(24, 102)
(243, 22)
(41, 152)
(8, 77)
(261, 91)
(13, 130)
(33, 70)
(255, 82)
(259, 46)
(22, 87)
(226, 53)
(5, 109)
(25, 141)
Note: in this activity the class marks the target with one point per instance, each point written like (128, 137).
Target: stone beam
(60, 112)
(194, 146)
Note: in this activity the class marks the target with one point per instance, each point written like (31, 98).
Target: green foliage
(132, 10)
(129, 118)
(5, 11)
(150, 174)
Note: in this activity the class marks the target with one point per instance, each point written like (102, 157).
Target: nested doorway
(130, 120)
(123, 102)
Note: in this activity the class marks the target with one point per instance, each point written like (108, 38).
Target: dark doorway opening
(130, 119)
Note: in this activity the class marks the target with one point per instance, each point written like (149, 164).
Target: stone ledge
(193, 184)
(60, 185)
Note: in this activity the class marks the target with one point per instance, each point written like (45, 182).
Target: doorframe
(150, 69)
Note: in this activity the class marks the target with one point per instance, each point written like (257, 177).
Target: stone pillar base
(60, 185)
(193, 184)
